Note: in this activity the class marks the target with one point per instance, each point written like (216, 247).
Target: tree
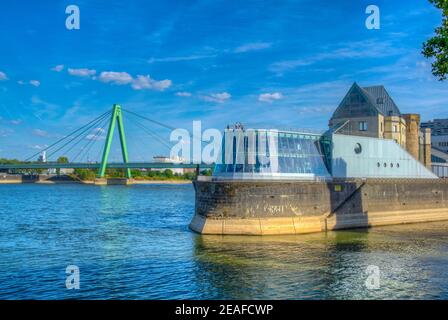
(168, 173)
(61, 160)
(437, 46)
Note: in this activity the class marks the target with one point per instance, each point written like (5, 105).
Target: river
(134, 243)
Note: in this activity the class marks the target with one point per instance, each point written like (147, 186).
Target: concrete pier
(113, 181)
(274, 208)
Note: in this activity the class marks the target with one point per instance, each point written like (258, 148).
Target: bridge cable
(78, 135)
(150, 120)
(152, 134)
(91, 141)
(77, 139)
(72, 133)
(158, 123)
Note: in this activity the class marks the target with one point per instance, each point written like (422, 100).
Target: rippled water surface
(134, 243)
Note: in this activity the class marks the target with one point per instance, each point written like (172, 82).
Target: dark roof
(382, 101)
(440, 155)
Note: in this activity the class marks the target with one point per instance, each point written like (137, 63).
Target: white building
(164, 159)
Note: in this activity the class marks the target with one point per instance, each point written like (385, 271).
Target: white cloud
(120, 78)
(269, 97)
(58, 68)
(145, 82)
(370, 48)
(82, 72)
(35, 83)
(217, 97)
(5, 132)
(139, 83)
(182, 58)
(252, 47)
(40, 133)
(16, 122)
(97, 134)
(21, 82)
(3, 76)
(39, 147)
(183, 94)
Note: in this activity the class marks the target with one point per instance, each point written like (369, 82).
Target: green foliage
(437, 46)
(62, 160)
(9, 161)
(20, 171)
(116, 173)
(85, 174)
(206, 172)
(168, 173)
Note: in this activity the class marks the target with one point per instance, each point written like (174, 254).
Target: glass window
(362, 125)
(296, 154)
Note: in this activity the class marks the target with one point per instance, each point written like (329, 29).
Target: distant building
(438, 129)
(164, 159)
(439, 133)
(42, 157)
(371, 112)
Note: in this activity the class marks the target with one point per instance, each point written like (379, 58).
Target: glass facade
(271, 154)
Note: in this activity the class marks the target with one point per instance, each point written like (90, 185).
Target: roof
(374, 100)
(378, 94)
(439, 154)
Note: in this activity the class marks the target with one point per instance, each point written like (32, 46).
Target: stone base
(302, 225)
(113, 182)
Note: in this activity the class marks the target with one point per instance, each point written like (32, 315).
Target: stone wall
(268, 207)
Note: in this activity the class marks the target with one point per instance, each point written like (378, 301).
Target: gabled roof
(378, 94)
(377, 100)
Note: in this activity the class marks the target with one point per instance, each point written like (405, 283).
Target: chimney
(412, 130)
(426, 147)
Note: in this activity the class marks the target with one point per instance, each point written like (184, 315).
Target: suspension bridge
(91, 133)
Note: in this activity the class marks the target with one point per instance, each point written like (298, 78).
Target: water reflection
(318, 266)
(134, 243)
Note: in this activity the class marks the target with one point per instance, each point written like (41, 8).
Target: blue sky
(284, 64)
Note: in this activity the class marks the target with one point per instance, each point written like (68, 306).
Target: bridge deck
(97, 165)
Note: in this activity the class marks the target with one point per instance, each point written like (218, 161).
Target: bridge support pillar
(116, 117)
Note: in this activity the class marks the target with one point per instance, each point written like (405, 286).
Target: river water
(134, 243)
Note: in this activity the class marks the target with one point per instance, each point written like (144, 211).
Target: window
(380, 100)
(395, 128)
(362, 125)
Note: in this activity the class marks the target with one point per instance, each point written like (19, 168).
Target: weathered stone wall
(313, 206)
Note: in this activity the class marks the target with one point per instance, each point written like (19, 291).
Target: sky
(275, 64)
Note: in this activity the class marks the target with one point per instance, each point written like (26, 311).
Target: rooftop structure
(368, 138)
(299, 156)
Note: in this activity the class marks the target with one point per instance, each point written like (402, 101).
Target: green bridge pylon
(117, 117)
